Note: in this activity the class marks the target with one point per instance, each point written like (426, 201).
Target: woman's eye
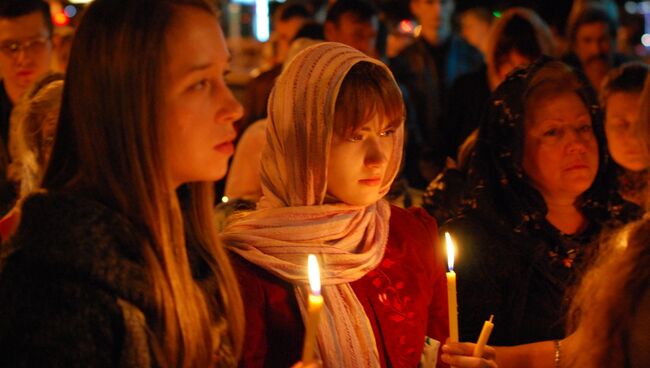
(586, 128)
(387, 133)
(551, 132)
(355, 138)
(201, 85)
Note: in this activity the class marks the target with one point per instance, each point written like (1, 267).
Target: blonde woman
(117, 262)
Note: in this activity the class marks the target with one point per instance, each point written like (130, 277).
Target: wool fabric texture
(296, 217)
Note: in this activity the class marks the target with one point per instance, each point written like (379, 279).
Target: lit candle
(451, 291)
(483, 337)
(314, 306)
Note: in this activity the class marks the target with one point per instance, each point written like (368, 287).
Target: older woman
(519, 37)
(541, 190)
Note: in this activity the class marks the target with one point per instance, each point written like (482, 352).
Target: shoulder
(81, 243)
(413, 239)
(52, 319)
(414, 219)
(411, 56)
(253, 139)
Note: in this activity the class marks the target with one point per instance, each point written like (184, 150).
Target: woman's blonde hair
(109, 146)
(605, 308)
(27, 145)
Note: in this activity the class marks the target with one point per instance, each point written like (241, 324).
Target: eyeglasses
(34, 46)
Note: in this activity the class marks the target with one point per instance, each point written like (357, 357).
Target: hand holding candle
(451, 291)
(483, 338)
(314, 307)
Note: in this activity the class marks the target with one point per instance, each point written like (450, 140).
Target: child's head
(368, 111)
(621, 99)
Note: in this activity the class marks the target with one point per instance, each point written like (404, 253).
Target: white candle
(314, 307)
(483, 337)
(451, 291)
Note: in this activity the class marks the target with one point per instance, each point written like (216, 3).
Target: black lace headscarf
(497, 183)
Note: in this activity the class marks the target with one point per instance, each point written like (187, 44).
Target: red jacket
(405, 298)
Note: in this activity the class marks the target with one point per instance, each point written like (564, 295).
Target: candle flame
(451, 250)
(314, 274)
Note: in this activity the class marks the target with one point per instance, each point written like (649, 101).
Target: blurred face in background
(474, 30)
(25, 52)
(434, 15)
(508, 63)
(285, 31)
(199, 109)
(354, 32)
(560, 148)
(621, 118)
(593, 44)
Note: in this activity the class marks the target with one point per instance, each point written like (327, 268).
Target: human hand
(459, 355)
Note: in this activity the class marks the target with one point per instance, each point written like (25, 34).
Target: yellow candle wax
(483, 337)
(311, 328)
(314, 307)
(451, 291)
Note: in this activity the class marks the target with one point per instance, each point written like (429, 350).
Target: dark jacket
(7, 190)
(512, 262)
(468, 99)
(74, 289)
(426, 96)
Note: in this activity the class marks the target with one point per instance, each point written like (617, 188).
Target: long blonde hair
(27, 146)
(109, 146)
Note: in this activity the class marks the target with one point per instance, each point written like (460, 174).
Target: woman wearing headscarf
(516, 39)
(334, 143)
(541, 190)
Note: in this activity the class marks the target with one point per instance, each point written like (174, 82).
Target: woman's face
(199, 109)
(357, 163)
(508, 63)
(560, 149)
(621, 115)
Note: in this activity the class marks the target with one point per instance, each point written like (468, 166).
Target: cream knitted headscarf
(293, 220)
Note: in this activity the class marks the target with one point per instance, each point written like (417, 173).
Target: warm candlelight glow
(314, 274)
(451, 249)
(452, 303)
(314, 306)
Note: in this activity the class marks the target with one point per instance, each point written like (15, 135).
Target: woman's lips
(578, 166)
(226, 148)
(25, 73)
(373, 182)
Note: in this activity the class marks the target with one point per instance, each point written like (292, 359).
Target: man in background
(354, 23)
(25, 56)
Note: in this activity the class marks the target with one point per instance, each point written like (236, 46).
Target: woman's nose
(231, 110)
(375, 155)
